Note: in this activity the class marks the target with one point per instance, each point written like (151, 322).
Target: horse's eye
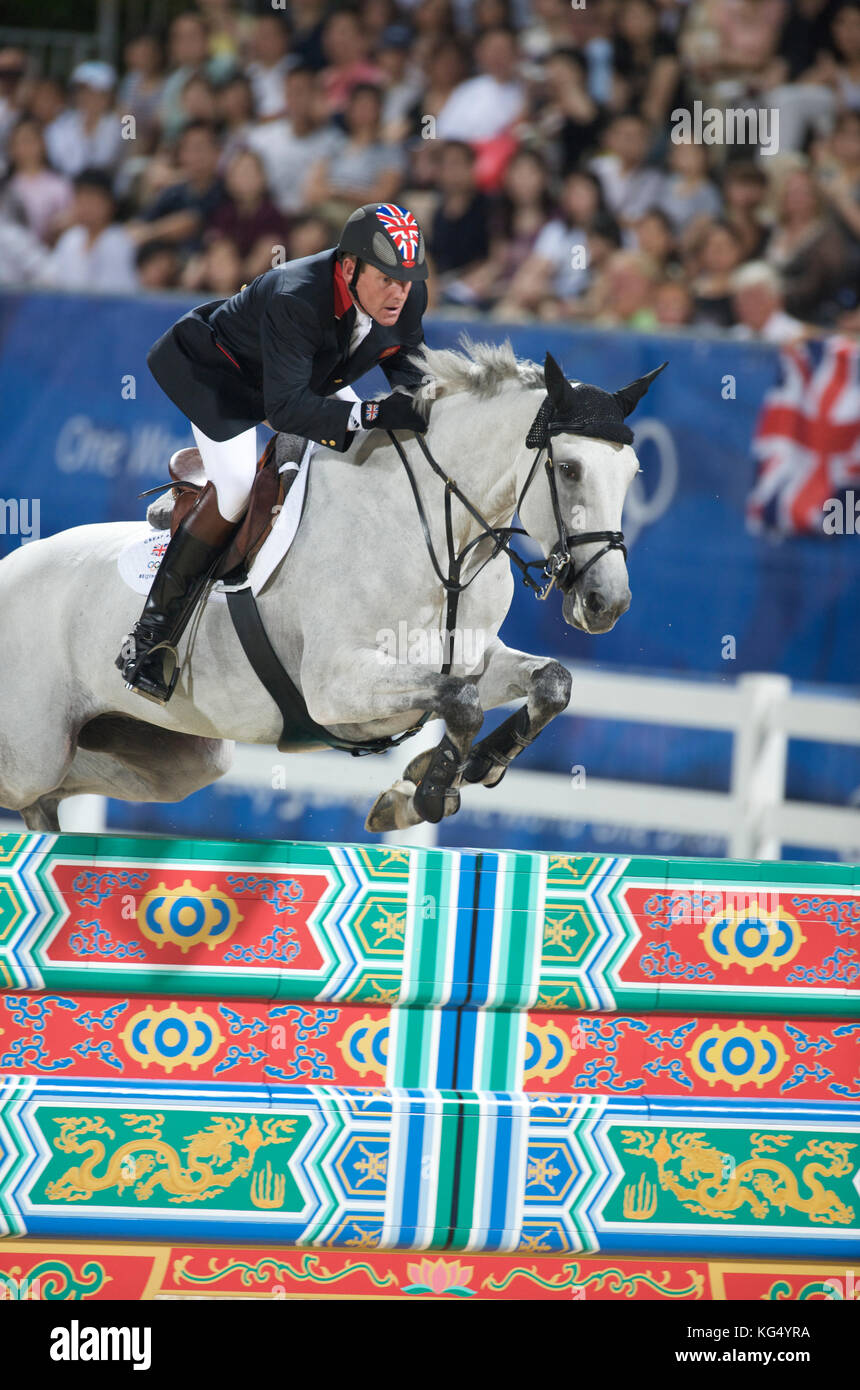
(570, 470)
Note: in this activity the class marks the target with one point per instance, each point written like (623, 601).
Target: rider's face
(381, 297)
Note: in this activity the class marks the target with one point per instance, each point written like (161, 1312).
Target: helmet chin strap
(353, 280)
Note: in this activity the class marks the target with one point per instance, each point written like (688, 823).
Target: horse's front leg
(365, 696)
(438, 791)
(545, 684)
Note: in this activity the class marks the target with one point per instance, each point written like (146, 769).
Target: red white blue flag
(402, 228)
(807, 438)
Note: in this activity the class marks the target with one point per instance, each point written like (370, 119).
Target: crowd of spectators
(533, 139)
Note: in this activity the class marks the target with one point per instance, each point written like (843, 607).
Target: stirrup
(159, 691)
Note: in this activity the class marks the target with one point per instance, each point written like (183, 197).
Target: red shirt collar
(342, 296)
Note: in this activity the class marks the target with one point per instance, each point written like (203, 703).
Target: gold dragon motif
(211, 1165)
(712, 1183)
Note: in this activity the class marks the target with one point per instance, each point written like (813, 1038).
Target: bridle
(559, 567)
(558, 570)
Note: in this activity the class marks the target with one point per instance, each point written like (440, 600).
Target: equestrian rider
(279, 351)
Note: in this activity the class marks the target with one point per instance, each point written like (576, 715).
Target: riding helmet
(388, 237)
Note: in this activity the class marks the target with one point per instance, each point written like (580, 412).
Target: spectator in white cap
(757, 300)
(88, 136)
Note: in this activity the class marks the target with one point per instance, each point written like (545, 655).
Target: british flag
(402, 228)
(807, 438)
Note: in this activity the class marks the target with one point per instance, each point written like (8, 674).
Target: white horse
(358, 568)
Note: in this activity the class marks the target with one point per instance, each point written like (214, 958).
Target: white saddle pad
(139, 560)
(283, 533)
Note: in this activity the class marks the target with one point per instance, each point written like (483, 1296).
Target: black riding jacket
(278, 349)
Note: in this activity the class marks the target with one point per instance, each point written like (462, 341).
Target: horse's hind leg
(132, 761)
(34, 759)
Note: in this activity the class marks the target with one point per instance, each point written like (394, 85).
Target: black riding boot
(185, 568)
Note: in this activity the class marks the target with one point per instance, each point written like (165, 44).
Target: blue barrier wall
(81, 438)
(73, 440)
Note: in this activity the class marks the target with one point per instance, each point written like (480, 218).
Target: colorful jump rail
(364, 1060)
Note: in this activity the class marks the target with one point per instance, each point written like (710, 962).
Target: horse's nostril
(594, 602)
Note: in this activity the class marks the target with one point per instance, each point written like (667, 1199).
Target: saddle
(271, 485)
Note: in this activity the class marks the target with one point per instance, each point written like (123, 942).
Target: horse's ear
(556, 383)
(630, 396)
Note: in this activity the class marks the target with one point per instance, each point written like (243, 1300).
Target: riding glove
(394, 412)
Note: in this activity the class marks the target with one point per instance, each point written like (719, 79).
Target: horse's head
(572, 505)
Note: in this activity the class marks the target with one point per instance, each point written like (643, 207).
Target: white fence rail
(761, 712)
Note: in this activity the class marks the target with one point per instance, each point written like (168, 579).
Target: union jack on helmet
(387, 236)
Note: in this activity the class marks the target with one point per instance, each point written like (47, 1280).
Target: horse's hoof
(380, 817)
(393, 810)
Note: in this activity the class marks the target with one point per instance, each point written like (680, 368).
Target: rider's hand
(395, 412)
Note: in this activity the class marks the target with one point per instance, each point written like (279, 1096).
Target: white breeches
(231, 466)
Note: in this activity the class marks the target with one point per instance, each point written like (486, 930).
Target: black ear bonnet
(585, 410)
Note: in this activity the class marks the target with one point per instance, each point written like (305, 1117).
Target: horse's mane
(480, 368)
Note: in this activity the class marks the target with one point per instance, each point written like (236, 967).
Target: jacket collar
(342, 297)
